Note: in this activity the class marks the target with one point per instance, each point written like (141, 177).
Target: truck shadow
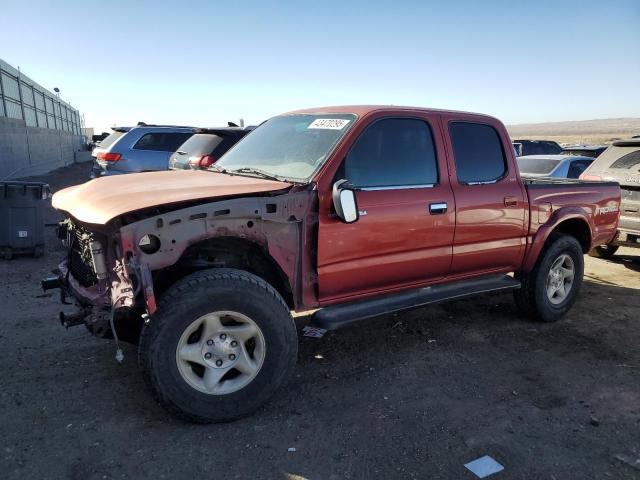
(601, 323)
(482, 340)
(632, 262)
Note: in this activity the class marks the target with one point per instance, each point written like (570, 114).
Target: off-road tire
(532, 297)
(604, 251)
(199, 294)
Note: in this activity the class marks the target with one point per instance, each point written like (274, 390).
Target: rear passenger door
(491, 206)
(404, 234)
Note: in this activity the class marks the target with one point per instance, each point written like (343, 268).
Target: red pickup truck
(354, 211)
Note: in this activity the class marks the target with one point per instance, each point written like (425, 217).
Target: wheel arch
(578, 228)
(572, 223)
(233, 252)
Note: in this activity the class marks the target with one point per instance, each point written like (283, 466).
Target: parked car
(142, 148)
(621, 163)
(536, 147)
(554, 166)
(350, 211)
(584, 150)
(205, 147)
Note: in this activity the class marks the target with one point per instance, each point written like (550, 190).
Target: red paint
(492, 228)
(103, 199)
(396, 245)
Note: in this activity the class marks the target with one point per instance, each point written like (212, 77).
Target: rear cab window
(478, 153)
(392, 153)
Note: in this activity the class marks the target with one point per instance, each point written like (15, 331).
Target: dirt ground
(413, 395)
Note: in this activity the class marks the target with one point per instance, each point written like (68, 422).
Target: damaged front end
(95, 277)
(114, 271)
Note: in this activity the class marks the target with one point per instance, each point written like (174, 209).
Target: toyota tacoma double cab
(350, 211)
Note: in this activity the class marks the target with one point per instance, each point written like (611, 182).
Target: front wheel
(220, 344)
(549, 291)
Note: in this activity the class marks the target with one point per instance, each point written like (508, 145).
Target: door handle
(510, 201)
(438, 208)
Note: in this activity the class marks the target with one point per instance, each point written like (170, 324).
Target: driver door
(404, 234)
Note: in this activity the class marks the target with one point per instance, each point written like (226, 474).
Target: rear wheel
(220, 344)
(549, 291)
(604, 251)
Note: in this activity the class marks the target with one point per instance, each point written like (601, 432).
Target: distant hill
(603, 130)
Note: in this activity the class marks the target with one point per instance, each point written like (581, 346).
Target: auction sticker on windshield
(329, 123)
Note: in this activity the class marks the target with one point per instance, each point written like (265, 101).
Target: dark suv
(592, 151)
(621, 163)
(143, 148)
(205, 147)
(536, 147)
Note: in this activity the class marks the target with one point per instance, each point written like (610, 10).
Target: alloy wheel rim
(560, 279)
(220, 352)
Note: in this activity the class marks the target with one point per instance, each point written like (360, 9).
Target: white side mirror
(344, 201)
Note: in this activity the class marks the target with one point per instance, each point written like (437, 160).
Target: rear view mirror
(344, 201)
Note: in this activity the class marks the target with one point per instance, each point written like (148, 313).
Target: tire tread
(172, 299)
(525, 296)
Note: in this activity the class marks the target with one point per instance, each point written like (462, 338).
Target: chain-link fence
(24, 99)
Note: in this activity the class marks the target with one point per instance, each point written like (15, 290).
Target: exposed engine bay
(114, 272)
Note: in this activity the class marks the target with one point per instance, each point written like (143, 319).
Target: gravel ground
(413, 395)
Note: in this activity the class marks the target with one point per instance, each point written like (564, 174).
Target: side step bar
(334, 317)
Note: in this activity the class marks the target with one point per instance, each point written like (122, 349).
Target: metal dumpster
(21, 218)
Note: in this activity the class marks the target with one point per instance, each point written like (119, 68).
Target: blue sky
(205, 62)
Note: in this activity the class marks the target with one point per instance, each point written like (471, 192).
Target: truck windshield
(288, 147)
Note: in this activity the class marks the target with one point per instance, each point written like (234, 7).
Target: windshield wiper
(257, 172)
(216, 168)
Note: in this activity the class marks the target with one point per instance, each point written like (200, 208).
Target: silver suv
(138, 149)
(621, 163)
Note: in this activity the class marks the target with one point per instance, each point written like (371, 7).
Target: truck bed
(595, 202)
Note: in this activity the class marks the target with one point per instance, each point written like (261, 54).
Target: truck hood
(101, 200)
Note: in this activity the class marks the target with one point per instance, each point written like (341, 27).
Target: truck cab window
(393, 152)
(478, 152)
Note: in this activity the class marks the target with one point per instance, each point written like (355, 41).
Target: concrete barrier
(26, 151)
